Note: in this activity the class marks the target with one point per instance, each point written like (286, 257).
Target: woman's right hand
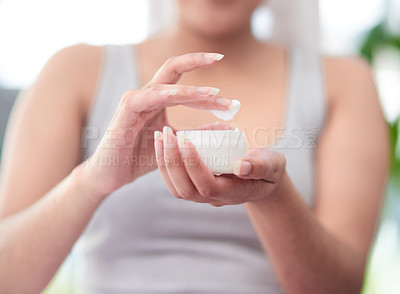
(126, 151)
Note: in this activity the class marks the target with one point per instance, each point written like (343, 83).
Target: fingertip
(233, 126)
(157, 135)
(168, 138)
(242, 168)
(167, 130)
(213, 56)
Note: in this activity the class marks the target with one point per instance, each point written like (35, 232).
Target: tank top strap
(117, 75)
(307, 105)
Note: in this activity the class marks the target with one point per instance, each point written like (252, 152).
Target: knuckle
(282, 159)
(170, 61)
(155, 88)
(177, 196)
(128, 95)
(189, 90)
(208, 191)
(216, 204)
(171, 65)
(277, 164)
(186, 194)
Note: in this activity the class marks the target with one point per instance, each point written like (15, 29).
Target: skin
(319, 249)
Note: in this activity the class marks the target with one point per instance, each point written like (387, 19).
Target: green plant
(380, 37)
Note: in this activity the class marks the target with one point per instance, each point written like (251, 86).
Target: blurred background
(32, 31)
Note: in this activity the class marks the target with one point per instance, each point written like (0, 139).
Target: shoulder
(74, 60)
(73, 70)
(352, 93)
(74, 63)
(354, 104)
(349, 78)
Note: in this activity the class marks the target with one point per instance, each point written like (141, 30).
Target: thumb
(261, 164)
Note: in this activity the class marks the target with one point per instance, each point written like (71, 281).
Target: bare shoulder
(75, 61)
(73, 69)
(349, 78)
(56, 105)
(78, 52)
(352, 92)
(353, 97)
(352, 63)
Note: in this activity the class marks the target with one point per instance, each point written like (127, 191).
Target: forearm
(306, 258)
(35, 241)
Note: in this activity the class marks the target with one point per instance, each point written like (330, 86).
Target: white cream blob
(228, 114)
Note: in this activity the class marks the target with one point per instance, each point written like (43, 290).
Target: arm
(46, 198)
(320, 251)
(44, 129)
(325, 250)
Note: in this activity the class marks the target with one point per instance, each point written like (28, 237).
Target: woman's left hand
(256, 176)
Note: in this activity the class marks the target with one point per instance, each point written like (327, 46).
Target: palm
(144, 151)
(129, 148)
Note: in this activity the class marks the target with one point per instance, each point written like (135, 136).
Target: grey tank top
(143, 240)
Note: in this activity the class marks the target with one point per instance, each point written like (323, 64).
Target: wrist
(84, 180)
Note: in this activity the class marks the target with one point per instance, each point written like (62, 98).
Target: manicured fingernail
(235, 105)
(167, 130)
(168, 142)
(214, 56)
(224, 102)
(214, 91)
(165, 93)
(241, 168)
(208, 90)
(157, 135)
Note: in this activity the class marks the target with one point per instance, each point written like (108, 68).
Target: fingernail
(224, 102)
(235, 104)
(167, 130)
(214, 91)
(241, 168)
(164, 93)
(168, 143)
(157, 135)
(214, 56)
(208, 90)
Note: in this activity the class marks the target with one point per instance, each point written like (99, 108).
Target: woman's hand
(126, 151)
(257, 176)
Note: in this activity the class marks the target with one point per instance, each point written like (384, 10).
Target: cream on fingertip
(228, 114)
(213, 56)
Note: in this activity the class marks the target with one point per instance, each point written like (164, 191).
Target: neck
(185, 39)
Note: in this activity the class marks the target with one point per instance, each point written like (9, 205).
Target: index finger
(171, 71)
